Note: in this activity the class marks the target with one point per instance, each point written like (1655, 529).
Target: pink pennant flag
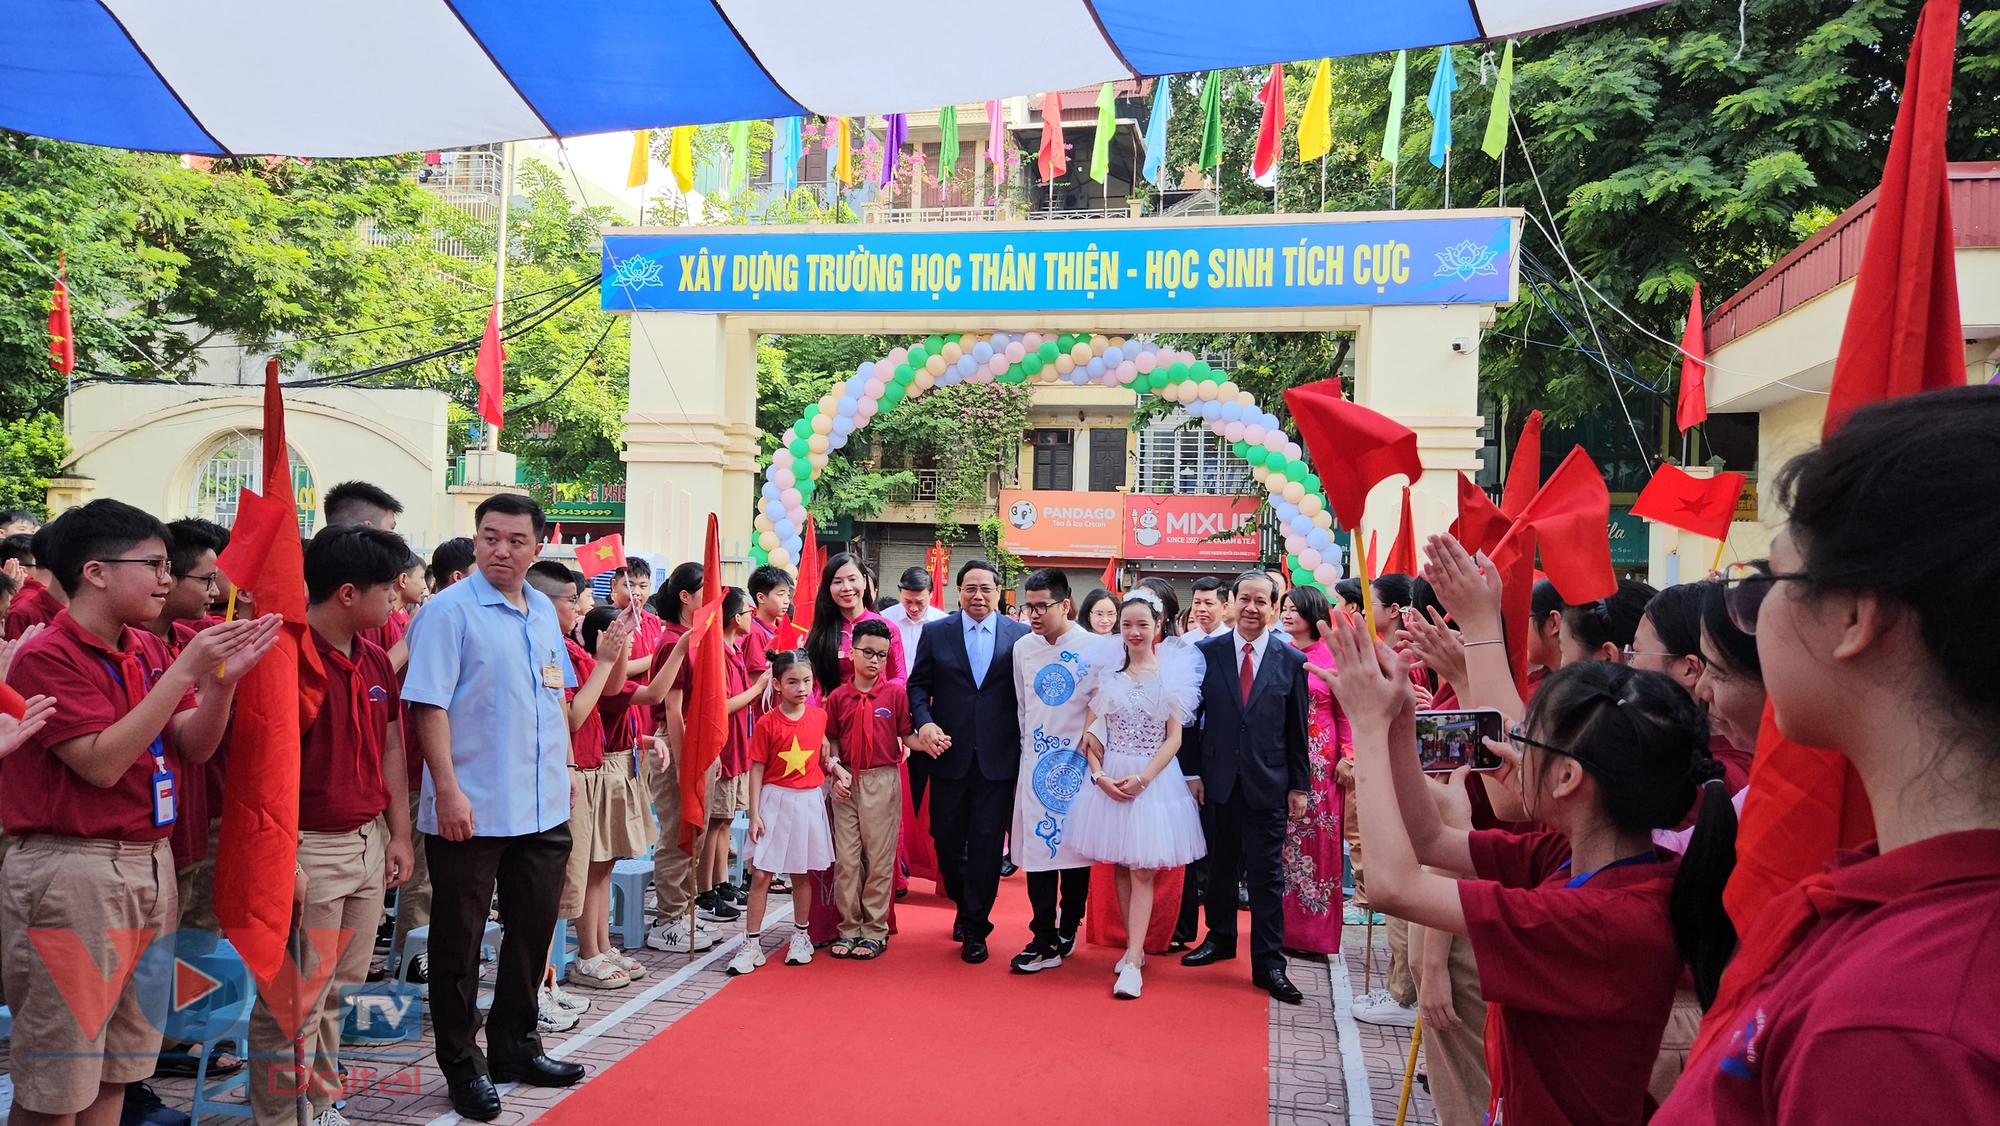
(995, 152)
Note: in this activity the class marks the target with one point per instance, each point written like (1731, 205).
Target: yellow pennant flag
(680, 157)
(636, 175)
(1315, 130)
(843, 153)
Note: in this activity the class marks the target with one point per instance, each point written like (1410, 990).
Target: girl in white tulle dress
(1138, 814)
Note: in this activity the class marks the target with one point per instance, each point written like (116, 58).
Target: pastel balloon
(1128, 371)
(780, 557)
(838, 441)
(951, 352)
(1294, 491)
(898, 355)
(1230, 411)
(1144, 364)
(1232, 431)
(1098, 345)
(1309, 558)
(1031, 341)
(1302, 524)
(924, 381)
(1293, 544)
(1327, 574)
(873, 389)
(1015, 351)
(1312, 505)
(1322, 519)
(1226, 389)
(1095, 367)
(1274, 440)
(935, 365)
(782, 477)
(822, 424)
(784, 527)
(1293, 451)
(791, 499)
(982, 352)
(1253, 433)
(999, 364)
(1318, 537)
(844, 407)
(1082, 353)
(1065, 364)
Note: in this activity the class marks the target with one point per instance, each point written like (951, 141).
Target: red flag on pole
(1054, 157)
(1571, 518)
(807, 589)
(487, 370)
(940, 569)
(1702, 505)
(1902, 333)
(1524, 473)
(275, 702)
(1479, 525)
(1110, 577)
(1353, 447)
(1693, 408)
(1902, 337)
(707, 726)
(601, 555)
(1402, 558)
(1375, 553)
(555, 532)
(1271, 129)
(62, 342)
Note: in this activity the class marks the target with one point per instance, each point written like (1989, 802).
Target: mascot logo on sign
(1021, 514)
(1146, 532)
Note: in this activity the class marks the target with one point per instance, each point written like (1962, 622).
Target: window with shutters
(1054, 459)
(1174, 458)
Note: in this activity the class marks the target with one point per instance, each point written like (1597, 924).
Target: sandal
(179, 1061)
(865, 949)
(842, 947)
(633, 970)
(598, 973)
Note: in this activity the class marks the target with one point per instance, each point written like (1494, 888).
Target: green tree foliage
(31, 452)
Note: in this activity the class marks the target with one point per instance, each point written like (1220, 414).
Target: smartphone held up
(1447, 740)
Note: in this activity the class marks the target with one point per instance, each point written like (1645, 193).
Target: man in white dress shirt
(913, 590)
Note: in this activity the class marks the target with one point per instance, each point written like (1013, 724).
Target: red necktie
(1247, 675)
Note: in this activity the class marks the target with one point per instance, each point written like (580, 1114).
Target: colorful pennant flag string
(1315, 129)
(896, 132)
(1156, 132)
(1107, 124)
(1054, 158)
(996, 152)
(1270, 130)
(1211, 121)
(636, 173)
(680, 157)
(948, 146)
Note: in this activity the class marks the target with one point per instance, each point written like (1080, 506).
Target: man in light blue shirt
(485, 683)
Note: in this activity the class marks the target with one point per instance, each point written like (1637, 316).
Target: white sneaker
(747, 959)
(566, 1001)
(1373, 997)
(552, 1017)
(1387, 1013)
(673, 938)
(1129, 982)
(330, 1117)
(800, 950)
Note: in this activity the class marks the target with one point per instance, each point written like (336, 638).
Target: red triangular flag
(487, 370)
(1054, 158)
(1110, 578)
(707, 726)
(807, 586)
(1402, 558)
(1352, 447)
(1902, 333)
(1693, 408)
(555, 533)
(275, 702)
(940, 572)
(1524, 473)
(1702, 505)
(1571, 517)
(1479, 525)
(62, 341)
(1375, 560)
(1271, 130)
(601, 555)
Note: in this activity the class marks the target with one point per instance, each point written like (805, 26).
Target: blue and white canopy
(335, 78)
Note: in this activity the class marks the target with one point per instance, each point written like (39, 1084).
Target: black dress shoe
(1278, 986)
(1210, 950)
(1008, 868)
(958, 930)
(538, 1072)
(475, 1099)
(974, 951)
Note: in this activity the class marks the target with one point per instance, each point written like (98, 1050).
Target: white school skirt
(797, 836)
(1161, 828)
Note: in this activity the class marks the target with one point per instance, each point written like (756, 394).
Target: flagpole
(500, 255)
(1447, 178)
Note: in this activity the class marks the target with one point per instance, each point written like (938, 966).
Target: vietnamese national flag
(1479, 525)
(62, 341)
(1524, 473)
(1702, 505)
(1270, 130)
(1353, 448)
(1693, 408)
(707, 727)
(940, 572)
(275, 702)
(1902, 333)
(1402, 558)
(487, 370)
(807, 586)
(1053, 160)
(1111, 574)
(1569, 519)
(601, 555)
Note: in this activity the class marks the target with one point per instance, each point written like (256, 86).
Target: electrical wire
(393, 324)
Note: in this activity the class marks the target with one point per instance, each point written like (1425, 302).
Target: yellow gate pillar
(690, 434)
(1419, 364)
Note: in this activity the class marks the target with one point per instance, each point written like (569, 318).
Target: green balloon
(891, 397)
(904, 373)
(812, 411)
(1065, 342)
(1296, 470)
(1240, 448)
(1257, 455)
(1200, 372)
(1176, 372)
(1302, 577)
(758, 555)
(800, 449)
(1047, 351)
(933, 345)
(1275, 462)
(1312, 483)
(1032, 363)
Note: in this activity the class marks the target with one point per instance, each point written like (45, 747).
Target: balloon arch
(944, 361)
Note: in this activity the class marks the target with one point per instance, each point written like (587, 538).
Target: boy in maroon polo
(354, 813)
(868, 719)
(94, 797)
(35, 603)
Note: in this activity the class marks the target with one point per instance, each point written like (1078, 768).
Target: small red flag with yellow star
(601, 555)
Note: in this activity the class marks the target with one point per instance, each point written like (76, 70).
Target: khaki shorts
(77, 892)
(582, 823)
(727, 796)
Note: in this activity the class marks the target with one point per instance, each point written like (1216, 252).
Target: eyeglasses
(871, 654)
(1518, 735)
(1631, 653)
(1036, 609)
(1744, 586)
(157, 563)
(208, 580)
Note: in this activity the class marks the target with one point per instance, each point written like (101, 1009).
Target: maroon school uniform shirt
(1578, 981)
(586, 741)
(200, 789)
(39, 793)
(33, 605)
(674, 631)
(340, 755)
(736, 678)
(650, 634)
(869, 726)
(1735, 763)
(1884, 1012)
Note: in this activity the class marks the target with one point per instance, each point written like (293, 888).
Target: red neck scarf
(357, 692)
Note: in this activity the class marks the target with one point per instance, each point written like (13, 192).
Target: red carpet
(917, 1036)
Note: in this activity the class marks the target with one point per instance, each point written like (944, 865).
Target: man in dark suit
(1245, 760)
(963, 705)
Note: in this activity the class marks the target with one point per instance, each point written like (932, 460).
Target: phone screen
(1449, 740)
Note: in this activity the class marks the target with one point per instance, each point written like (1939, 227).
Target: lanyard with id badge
(164, 796)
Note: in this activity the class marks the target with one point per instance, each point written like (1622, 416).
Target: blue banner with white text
(1063, 268)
